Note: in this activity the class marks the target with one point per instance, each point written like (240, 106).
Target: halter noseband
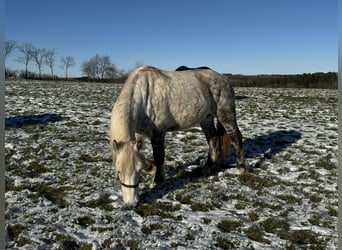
(129, 186)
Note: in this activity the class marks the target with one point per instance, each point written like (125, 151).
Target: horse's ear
(116, 145)
(139, 145)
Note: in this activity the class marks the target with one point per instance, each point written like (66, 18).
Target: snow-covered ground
(61, 192)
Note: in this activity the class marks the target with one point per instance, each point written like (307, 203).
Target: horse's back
(178, 99)
(185, 84)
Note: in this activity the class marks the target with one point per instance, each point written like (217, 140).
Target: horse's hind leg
(228, 120)
(157, 141)
(211, 135)
(225, 142)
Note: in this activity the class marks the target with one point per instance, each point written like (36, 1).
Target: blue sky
(231, 36)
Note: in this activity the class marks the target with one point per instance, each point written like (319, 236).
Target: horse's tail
(225, 142)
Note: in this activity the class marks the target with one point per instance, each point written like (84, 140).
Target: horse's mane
(122, 111)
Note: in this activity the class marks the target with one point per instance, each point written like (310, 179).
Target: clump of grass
(10, 185)
(290, 199)
(315, 220)
(22, 241)
(69, 244)
(229, 225)
(238, 196)
(263, 204)
(88, 158)
(162, 209)
(54, 194)
(253, 216)
(255, 233)
(304, 237)
(133, 244)
(224, 243)
(239, 206)
(102, 202)
(85, 221)
(35, 169)
(326, 163)
(190, 236)
(206, 220)
(195, 206)
(14, 230)
(332, 211)
(193, 130)
(106, 243)
(276, 225)
(258, 183)
(315, 198)
(150, 228)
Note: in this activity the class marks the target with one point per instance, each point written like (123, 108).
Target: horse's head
(128, 162)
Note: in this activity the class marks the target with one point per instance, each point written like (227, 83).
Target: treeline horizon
(320, 80)
(100, 68)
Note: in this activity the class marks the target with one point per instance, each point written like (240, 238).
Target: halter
(129, 186)
(123, 184)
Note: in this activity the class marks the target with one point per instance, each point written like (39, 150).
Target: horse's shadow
(30, 120)
(265, 147)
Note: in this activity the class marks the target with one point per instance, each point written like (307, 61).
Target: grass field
(61, 192)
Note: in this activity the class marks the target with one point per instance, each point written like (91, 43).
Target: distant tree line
(38, 56)
(306, 80)
(101, 69)
(97, 68)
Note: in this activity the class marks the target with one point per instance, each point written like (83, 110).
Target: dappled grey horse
(154, 101)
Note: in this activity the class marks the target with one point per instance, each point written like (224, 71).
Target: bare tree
(105, 65)
(88, 69)
(67, 62)
(10, 45)
(26, 49)
(50, 60)
(112, 72)
(95, 62)
(138, 63)
(99, 67)
(38, 56)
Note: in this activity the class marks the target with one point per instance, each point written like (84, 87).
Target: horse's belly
(182, 116)
(179, 107)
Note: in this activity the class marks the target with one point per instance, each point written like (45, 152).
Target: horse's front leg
(230, 125)
(157, 141)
